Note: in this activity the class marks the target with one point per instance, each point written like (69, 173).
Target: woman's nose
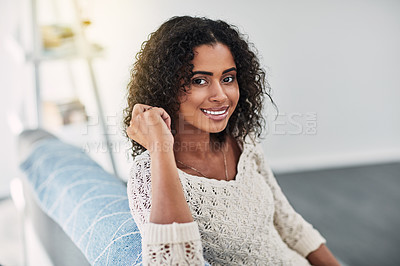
(218, 93)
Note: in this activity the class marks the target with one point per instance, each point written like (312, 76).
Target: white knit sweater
(246, 221)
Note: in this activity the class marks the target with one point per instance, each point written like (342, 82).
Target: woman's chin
(216, 129)
(202, 127)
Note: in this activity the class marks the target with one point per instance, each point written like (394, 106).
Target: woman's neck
(199, 145)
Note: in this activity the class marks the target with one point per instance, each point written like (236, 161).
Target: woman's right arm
(168, 201)
(170, 233)
(151, 128)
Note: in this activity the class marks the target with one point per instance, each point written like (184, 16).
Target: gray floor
(356, 209)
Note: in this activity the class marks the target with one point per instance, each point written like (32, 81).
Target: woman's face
(213, 93)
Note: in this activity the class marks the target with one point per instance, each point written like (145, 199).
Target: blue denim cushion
(90, 204)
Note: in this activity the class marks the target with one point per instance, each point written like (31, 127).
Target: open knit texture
(245, 221)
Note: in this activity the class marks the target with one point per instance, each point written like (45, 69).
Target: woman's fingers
(165, 116)
(162, 113)
(149, 125)
(141, 108)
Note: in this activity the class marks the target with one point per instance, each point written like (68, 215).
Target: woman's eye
(228, 79)
(198, 81)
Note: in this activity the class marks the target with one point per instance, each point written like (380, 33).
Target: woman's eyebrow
(211, 74)
(229, 70)
(203, 72)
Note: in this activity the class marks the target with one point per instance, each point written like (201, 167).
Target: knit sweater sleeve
(162, 244)
(297, 233)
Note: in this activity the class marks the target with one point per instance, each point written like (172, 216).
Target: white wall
(13, 78)
(337, 61)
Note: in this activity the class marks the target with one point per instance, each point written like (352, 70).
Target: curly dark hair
(164, 61)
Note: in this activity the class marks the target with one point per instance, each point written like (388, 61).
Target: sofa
(79, 212)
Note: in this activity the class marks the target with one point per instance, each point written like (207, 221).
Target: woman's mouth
(216, 113)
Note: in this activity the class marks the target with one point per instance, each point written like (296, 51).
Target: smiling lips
(216, 113)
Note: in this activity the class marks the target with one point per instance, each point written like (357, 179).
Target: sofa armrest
(58, 245)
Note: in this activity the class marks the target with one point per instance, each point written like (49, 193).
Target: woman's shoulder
(252, 147)
(250, 142)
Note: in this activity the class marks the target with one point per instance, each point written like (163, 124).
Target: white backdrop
(334, 68)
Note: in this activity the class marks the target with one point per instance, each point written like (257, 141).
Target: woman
(199, 187)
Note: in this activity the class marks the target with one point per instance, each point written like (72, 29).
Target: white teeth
(214, 112)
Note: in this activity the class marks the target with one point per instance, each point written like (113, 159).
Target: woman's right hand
(151, 127)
